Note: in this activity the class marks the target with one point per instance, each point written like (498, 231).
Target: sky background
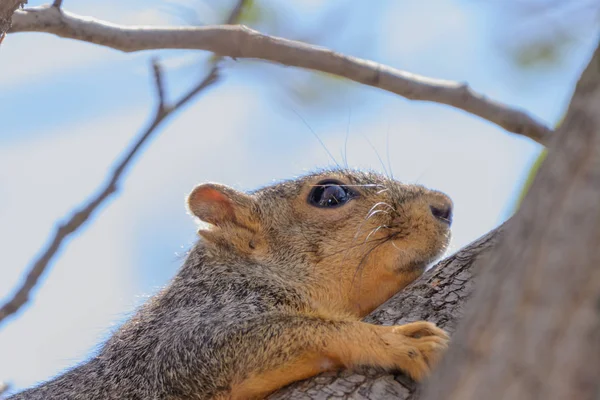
(69, 109)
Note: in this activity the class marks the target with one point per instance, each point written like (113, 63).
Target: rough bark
(7, 9)
(438, 296)
(242, 42)
(532, 330)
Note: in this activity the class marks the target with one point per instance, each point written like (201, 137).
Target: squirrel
(274, 291)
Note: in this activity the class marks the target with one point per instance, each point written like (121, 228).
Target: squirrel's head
(354, 238)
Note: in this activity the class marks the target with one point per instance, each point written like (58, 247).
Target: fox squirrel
(273, 292)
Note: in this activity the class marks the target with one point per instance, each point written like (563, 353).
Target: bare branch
(211, 78)
(111, 187)
(158, 82)
(163, 110)
(236, 12)
(243, 42)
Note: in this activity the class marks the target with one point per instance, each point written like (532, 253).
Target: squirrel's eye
(328, 194)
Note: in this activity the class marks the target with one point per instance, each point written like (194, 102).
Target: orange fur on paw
(416, 347)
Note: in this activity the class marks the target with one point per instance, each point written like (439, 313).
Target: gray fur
(211, 325)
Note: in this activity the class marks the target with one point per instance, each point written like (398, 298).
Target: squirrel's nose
(442, 211)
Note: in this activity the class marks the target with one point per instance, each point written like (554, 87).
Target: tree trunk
(438, 296)
(532, 330)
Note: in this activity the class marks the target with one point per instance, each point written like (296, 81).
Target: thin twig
(232, 18)
(64, 230)
(236, 12)
(80, 217)
(211, 78)
(159, 84)
(242, 42)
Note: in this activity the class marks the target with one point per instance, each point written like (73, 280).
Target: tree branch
(80, 217)
(438, 296)
(163, 110)
(160, 86)
(243, 42)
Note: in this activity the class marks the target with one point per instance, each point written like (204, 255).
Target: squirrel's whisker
(375, 212)
(375, 231)
(380, 203)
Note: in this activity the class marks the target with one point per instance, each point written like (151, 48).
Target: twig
(242, 42)
(236, 12)
(163, 110)
(81, 216)
(212, 76)
(158, 82)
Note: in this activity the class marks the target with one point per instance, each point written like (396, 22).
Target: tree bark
(532, 330)
(438, 296)
(7, 9)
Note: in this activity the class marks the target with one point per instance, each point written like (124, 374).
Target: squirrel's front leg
(309, 346)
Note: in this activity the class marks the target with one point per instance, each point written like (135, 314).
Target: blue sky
(69, 109)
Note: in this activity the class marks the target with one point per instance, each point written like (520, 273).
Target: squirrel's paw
(416, 347)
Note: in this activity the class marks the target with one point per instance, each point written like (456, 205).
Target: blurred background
(69, 109)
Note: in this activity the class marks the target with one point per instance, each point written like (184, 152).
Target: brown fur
(274, 292)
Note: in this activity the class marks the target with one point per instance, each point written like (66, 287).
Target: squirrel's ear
(218, 204)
